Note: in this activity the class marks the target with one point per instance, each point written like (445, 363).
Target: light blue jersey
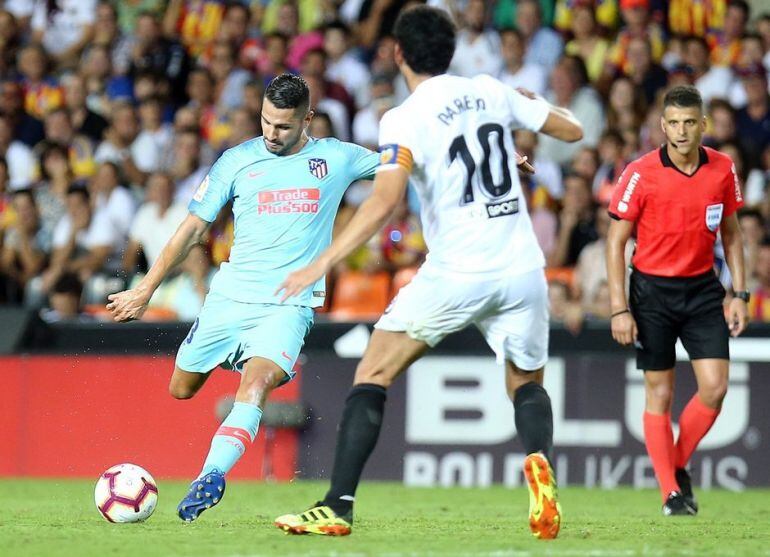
(284, 209)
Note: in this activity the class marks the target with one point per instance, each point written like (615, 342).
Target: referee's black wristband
(614, 315)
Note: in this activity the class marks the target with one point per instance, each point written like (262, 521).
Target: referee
(677, 198)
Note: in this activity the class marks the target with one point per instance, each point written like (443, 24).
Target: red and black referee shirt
(677, 216)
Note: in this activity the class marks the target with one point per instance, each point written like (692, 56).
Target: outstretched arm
(131, 304)
(389, 188)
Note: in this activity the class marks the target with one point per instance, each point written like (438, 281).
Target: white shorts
(510, 311)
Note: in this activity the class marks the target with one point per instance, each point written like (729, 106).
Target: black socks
(533, 418)
(356, 439)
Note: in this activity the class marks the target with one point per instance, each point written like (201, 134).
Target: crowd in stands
(111, 113)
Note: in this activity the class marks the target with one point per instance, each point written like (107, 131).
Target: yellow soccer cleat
(544, 509)
(319, 520)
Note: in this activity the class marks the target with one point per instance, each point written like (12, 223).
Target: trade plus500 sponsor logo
(297, 200)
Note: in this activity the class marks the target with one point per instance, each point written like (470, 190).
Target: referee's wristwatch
(744, 295)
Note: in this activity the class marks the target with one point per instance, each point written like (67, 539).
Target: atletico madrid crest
(318, 168)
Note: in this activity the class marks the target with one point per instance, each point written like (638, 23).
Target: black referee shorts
(667, 308)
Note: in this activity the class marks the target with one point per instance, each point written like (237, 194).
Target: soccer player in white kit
(453, 136)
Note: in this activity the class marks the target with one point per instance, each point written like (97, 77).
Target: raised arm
(131, 304)
(371, 216)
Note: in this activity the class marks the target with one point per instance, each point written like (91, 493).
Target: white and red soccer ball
(126, 493)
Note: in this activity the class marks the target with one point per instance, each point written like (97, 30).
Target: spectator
(753, 121)
(314, 65)
(130, 12)
(10, 39)
(194, 23)
(108, 195)
(119, 145)
(726, 44)
(42, 93)
(752, 54)
(108, 34)
(59, 129)
(321, 126)
(187, 170)
(229, 79)
(183, 294)
(754, 230)
(56, 180)
(334, 108)
(26, 128)
(543, 45)
(366, 123)
(638, 25)
(243, 126)
(160, 56)
(342, 66)
(569, 89)
(84, 120)
(84, 243)
(721, 119)
(759, 305)
(712, 82)
(591, 270)
(626, 107)
(21, 162)
(477, 48)
(103, 86)
(64, 28)
(612, 163)
(65, 301)
(155, 222)
(26, 246)
(586, 41)
(548, 175)
(515, 71)
(577, 222)
(152, 145)
(276, 51)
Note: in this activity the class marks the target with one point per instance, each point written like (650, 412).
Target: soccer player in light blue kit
(286, 188)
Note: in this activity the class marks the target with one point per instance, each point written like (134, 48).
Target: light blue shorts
(227, 333)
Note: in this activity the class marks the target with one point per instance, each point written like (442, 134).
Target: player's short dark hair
(426, 36)
(289, 91)
(683, 96)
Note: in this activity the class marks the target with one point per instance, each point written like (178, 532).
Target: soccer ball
(126, 493)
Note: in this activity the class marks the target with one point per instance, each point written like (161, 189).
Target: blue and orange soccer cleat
(204, 493)
(544, 509)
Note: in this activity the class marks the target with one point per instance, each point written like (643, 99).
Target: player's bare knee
(659, 397)
(180, 391)
(713, 392)
(256, 385)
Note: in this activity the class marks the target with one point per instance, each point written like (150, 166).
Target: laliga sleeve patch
(201, 191)
(392, 155)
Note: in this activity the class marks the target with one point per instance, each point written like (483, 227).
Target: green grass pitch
(58, 517)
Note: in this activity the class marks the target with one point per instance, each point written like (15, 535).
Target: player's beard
(284, 148)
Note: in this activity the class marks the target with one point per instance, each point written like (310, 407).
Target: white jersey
(455, 135)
